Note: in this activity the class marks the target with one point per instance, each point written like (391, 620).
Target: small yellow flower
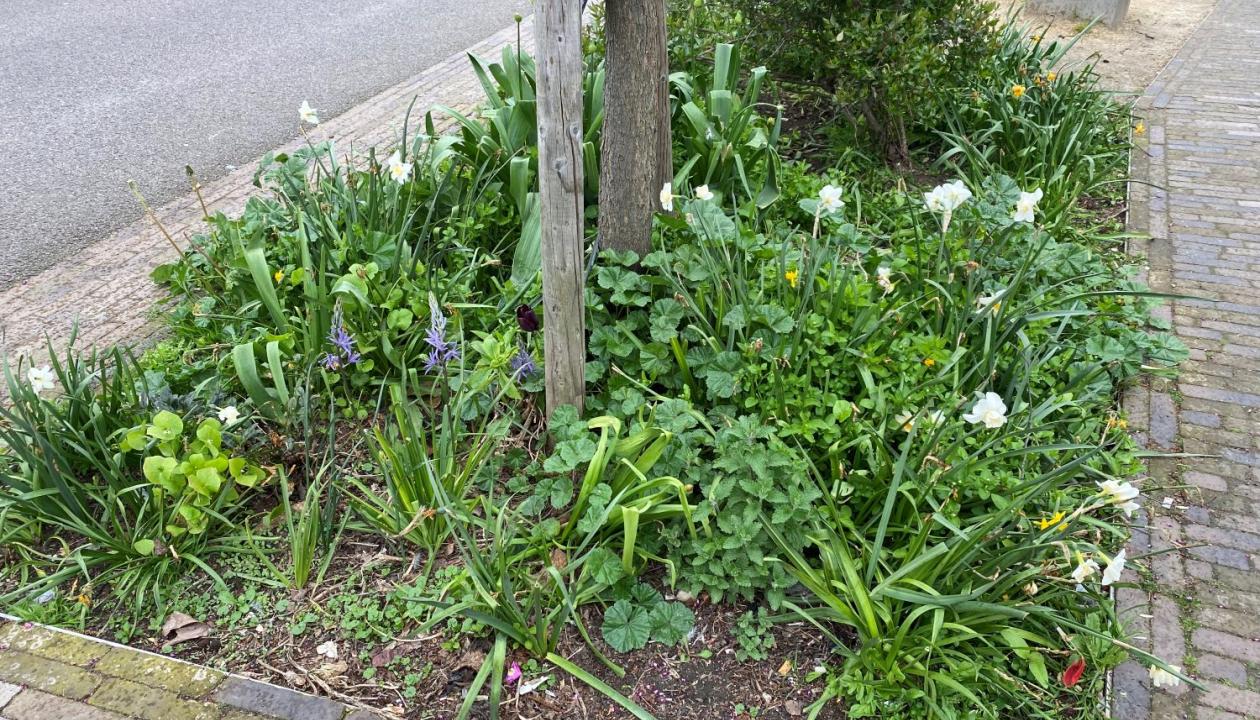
(791, 276)
(1017, 91)
(1035, 38)
(1115, 422)
(1140, 128)
(1050, 76)
(1050, 522)
(279, 275)
(84, 600)
(929, 361)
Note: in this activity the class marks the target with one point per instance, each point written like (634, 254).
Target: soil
(1131, 55)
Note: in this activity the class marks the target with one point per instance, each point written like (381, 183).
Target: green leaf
(626, 627)
(143, 546)
(160, 471)
(206, 481)
(671, 622)
(166, 426)
(603, 566)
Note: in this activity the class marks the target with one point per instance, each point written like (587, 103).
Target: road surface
(94, 93)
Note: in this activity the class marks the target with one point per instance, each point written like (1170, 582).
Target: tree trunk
(636, 158)
(558, 37)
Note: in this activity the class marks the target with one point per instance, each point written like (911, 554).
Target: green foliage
(753, 635)
(192, 479)
(640, 615)
(1056, 131)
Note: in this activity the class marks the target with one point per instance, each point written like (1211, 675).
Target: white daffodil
(308, 113)
(990, 303)
(1121, 494)
(829, 200)
(41, 379)
(990, 410)
(905, 419)
(399, 171)
(1161, 678)
(328, 650)
(1084, 570)
(1026, 206)
(1114, 568)
(667, 197)
(703, 193)
(883, 278)
(229, 415)
(945, 199)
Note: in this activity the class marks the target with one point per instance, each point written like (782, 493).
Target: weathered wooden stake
(558, 38)
(636, 159)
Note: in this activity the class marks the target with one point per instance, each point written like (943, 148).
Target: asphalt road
(95, 93)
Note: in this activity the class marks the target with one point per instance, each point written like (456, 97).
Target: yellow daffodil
(791, 276)
(1050, 522)
(1017, 91)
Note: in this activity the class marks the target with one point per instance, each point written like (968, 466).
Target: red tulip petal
(1073, 673)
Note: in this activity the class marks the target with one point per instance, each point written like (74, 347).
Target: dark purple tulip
(526, 318)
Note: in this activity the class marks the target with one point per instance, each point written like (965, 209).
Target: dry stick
(135, 190)
(196, 186)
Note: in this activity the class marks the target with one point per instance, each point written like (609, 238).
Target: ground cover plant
(851, 437)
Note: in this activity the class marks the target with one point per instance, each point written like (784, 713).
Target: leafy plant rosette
(192, 479)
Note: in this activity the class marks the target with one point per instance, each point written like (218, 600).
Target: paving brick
(1215, 667)
(1235, 700)
(52, 644)
(1227, 644)
(149, 703)
(179, 677)
(7, 691)
(48, 675)
(35, 705)
(274, 701)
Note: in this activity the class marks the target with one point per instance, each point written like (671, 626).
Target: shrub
(890, 65)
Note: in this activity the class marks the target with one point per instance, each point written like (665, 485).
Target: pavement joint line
(105, 287)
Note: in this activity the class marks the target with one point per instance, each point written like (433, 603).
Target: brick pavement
(106, 287)
(49, 674)
(1199, 607)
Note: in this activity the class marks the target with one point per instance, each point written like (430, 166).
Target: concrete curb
(106, 289)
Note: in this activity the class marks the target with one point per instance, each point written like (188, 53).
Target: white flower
(936, 417)
(41, 379)
(398, 170)
(945, 199)
(829, 200)
(702, 193)
(667, 197)
(328, 650)
(990, 303)
(906, 420)
(989, 410)
(229, 415)
(1114, 568)
(1121, 494)
(883, 278)
(1084, 570)
(1161, 678)
(308, 113)
(1026, 205)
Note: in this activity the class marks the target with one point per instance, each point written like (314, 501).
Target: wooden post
(636, 159)
(558, 39)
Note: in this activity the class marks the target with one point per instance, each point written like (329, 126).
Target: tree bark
(636, 158)
(558, 38)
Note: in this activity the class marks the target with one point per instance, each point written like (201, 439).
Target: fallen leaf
(180, 628)
(386, 655)
(793, 708)
(331, 670)
(785, 668)
(532, 685)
